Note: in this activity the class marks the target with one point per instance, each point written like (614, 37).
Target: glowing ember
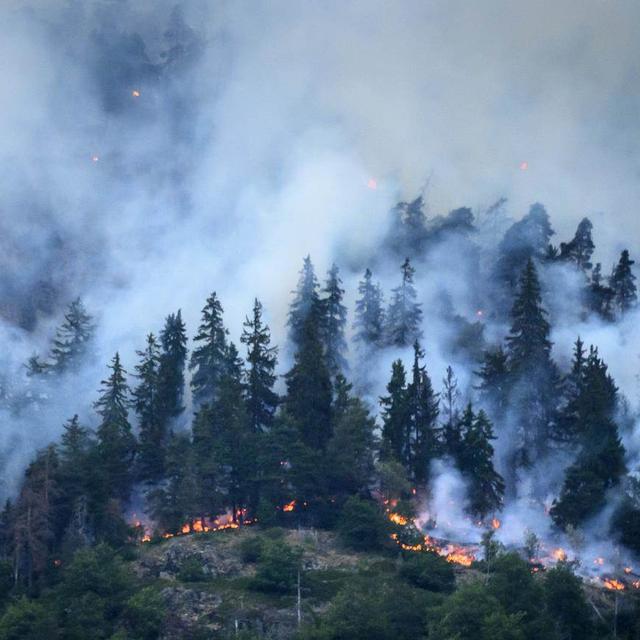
(614, 585)
(628, 570)
(460, 556)
(636, 584)
(135, 93)
(479, 313)
(372, 184)
(495, 523)
(559, 554)
(290, 506)
(95, 158)
(524, 165)
(599, 561)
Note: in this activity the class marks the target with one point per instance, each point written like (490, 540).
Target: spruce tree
(623, 284)
(534, 375)
(73, 339)
(173, 340)
(368, 325)
(209, 353)
(152, 425)
(485, 485)
(600, 296)
(404, 315)
(74, 446)
(421, 443)
(262, 358)
(305, 302)
(569, 421)
(309, 388)
(600, 461)
(451, 435)
(334, 320)
(116, 444)
(395, 416)
(580, 249)
(495, 382)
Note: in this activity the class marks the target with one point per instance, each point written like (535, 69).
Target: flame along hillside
(408, 536)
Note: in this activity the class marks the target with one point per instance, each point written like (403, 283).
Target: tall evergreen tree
(408, 231)
(73, 339)
(305, 301)
(421, 443)
(152, 425)
(262, 358)
(404, 315)
(534, 375)
(173, 339)
(394, 415)
(580, 249)
(600, 462)
(208, 357)
(486, 486)
(334, 320)
(599, 295)
(495, 382)
(623, 284)
(451, 435)
(309, 389)
(369, 315)
(569, 422)
(116, 444)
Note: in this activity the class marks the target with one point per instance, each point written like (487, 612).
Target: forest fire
(614, 585)
(289, 507)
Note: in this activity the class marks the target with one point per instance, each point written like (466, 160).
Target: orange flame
(559, 554)
(290, 506)
(614, 585)
(495, 523)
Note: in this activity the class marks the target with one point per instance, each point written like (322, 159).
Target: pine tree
(116, 444)
(208, 357)
(152, 425)
(305, 301)
(73, 339)
(369, 315)
(569, 421)
(600, 462)
(235, 442)
(580, 249)
(408, 232)
(495, 382)
(262, 358)
(173, 340)
(404, 315)
(623, 284)
(309, 389)
(351, 448)
(599, 296)
(394, 415)
(74, 446)
(334, 320)
(486, 486)
(534, 375)
(451, 435)
(421, 445)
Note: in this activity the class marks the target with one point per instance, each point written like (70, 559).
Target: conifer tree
(451, 435)
(600, 296)
(369, 314)
(173, 340)
(600, 462)
(351, 448)
(309, 389)
(152, 425)
(334, 320)
(208, 357)
(408, 232)
(623, 284)
(394, 415)
(262, 401)
(421, 444)
(495, 382)
(580, 249)
(568, 426)
(305, 302)
(534, 375)
(74, 446)
(404, 315)
(73, 339)
(116, 444)
(486, 486)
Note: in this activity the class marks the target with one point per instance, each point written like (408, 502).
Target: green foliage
(428, 571)
(278, 568)
(191, 570)
(28, 620)
(362, 525)
(251, 548)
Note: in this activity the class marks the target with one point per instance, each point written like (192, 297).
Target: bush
(145, 614)
(191, 570)
(278, 568)
(428, 571)
(362, 525)
(250, 549)
(27, 620)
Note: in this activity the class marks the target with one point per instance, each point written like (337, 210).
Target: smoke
(151, 155)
